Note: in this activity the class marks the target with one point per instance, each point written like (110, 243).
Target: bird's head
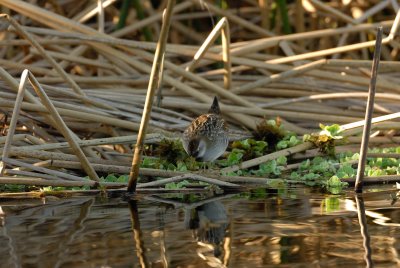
(197, 148)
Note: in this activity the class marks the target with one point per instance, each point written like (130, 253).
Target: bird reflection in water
(209, 223)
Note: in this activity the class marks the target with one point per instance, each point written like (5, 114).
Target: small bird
(206, 138)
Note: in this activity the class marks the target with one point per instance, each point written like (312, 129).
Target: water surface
(267, 228)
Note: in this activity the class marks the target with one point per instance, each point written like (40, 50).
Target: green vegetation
(325, 140)
(321, 171)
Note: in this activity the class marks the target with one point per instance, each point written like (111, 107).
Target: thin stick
(278, 77)
(384, 179)
(100, 22)
(24, 173)
(188, 176)
(368, 114)
(43, 170)
(340, 95)
(226, 54)
(234, 18)
(373, 121)
(43, 182)
(109, 167)
(14, 119)
(62, 127)
(150, 138)
(222, 28)
(154, 83)
(262, 159)
(77, 114)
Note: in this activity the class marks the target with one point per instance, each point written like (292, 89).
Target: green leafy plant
(270, 131)
(325, 139)
(177, 185)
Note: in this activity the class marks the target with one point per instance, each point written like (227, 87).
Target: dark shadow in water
(362, 219)
(137, 233)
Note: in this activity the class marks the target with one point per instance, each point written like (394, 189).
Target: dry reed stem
(386, 40)
(247, 63)
(278, 77)
(54, 173)
(368, 113)
(154, 83)
(346, 95)
(221, 29)
(196, 177)
(226, 54)
(92, 11)
(260, 44)
(24, 173)
(264, 112)
(82, 60)
(118, 169)
(375, 120)
(62, 127)
(262, 159)
(44, 155)
(14, 119)
(384, 179)
(233, 18)
(76, 114)
(56, 183)
(150, 138)
(145, 22)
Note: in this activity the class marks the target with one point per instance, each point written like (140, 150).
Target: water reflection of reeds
(274, 232)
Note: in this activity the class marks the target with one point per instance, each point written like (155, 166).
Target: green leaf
(111, 178)
(346, 171)
(175, 186)
(282, 145)
(181, 166)
(234, 157)
(281, 160)
(305, 165)
(123, 178)
(149, 162)
(334, 181)
(331, 131)
(295, 176)
(293, 141)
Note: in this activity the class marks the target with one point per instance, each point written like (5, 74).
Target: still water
(266, 228)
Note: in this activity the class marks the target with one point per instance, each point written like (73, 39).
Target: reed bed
(78, 109)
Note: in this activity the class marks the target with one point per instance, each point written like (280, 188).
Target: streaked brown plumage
(206, 138)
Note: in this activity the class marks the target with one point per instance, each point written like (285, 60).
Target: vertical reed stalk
(226, 54)
(368, 114)
(155, 79)
(14, 119)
